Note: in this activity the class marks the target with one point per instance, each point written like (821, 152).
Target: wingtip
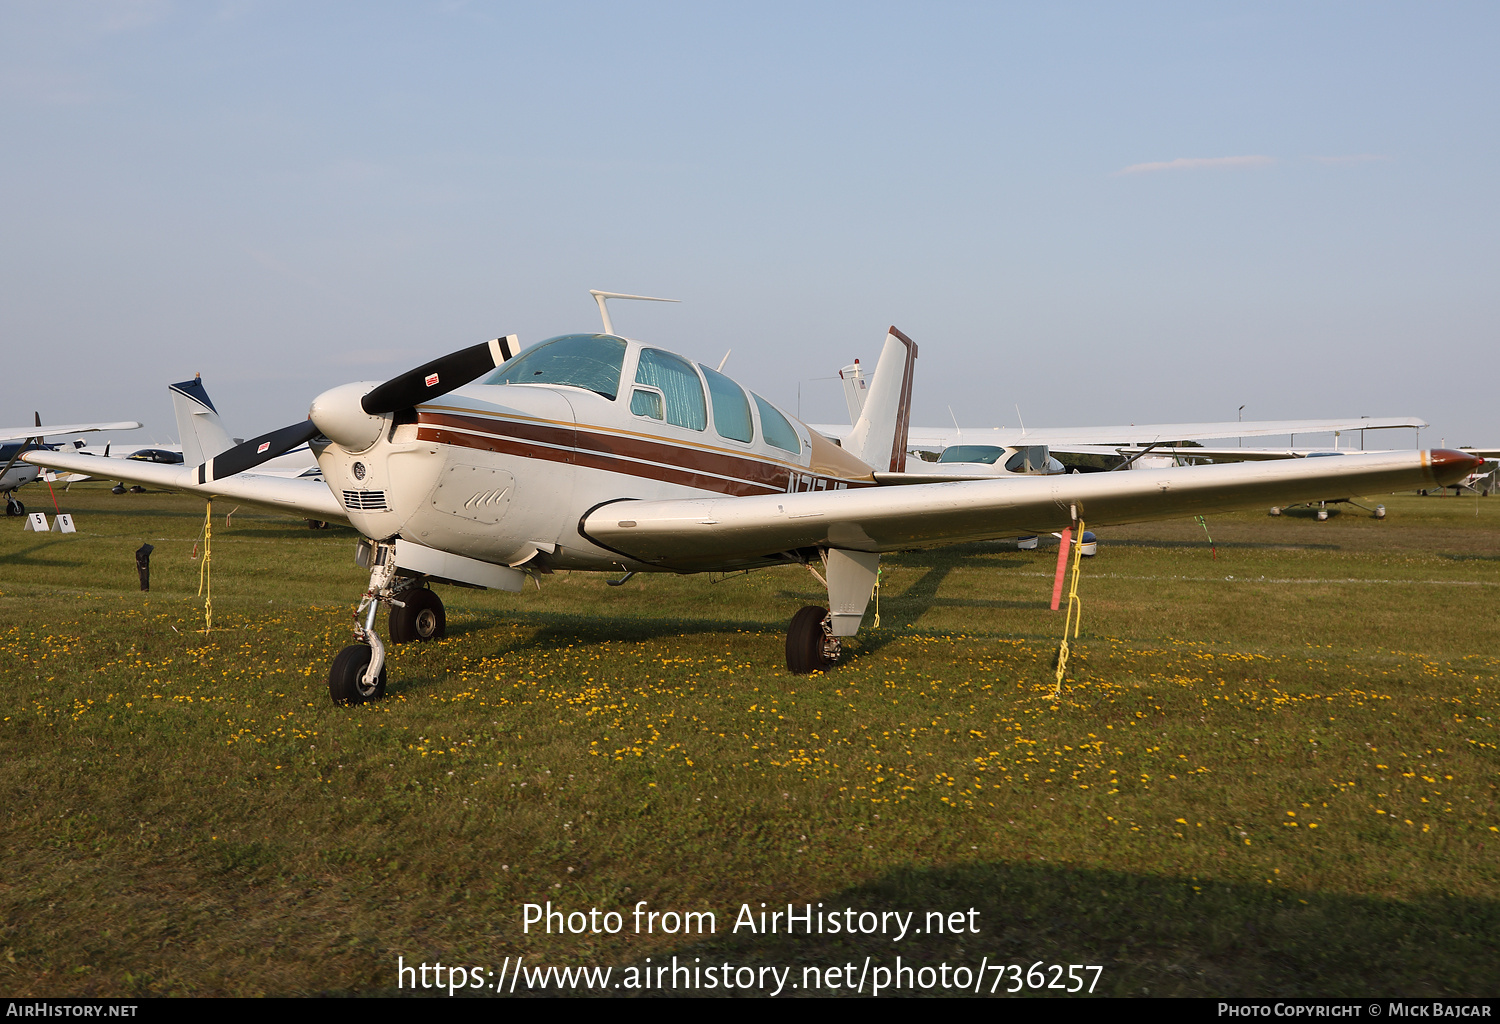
(1449, 465)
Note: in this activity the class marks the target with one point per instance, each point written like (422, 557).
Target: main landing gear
(358, 673)
(14, 507)
(810, 643)
(813, 640)
(419, 617)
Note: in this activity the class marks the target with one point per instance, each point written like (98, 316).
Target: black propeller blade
(436, 378)
(251, 453)
(427, 381)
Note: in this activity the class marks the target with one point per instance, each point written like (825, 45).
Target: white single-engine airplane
(598, 452)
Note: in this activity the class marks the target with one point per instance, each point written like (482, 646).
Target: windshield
(589, 361)
(972, 453)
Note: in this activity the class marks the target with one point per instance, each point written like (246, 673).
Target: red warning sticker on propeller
(431, 379)
(263, 446)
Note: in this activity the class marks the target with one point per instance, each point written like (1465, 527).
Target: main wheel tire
(14, 508)
(422, 618)
(804, 642)
(346, 678)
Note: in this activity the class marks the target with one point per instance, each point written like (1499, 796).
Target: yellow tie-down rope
(205, 579)
(1075, 612)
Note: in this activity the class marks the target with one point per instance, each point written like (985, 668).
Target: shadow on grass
(1203, 545)
(30, 556)
(557, 631)
(1158, 936)
(283, 530)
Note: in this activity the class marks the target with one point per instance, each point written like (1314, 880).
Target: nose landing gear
(346, 679)
(358, 673)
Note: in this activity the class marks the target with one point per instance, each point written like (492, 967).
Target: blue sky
(1100, 213)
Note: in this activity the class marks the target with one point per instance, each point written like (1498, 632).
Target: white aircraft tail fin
(879, 434)
(203, 435)
(856, 388)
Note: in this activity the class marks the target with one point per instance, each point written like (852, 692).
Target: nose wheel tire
(809, 645)
(14, 508)
(346, 684)
(422, 618)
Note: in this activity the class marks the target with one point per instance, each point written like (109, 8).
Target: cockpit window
(589, 361)
(679, 385)
(731, 409)
(775, 428)
(1029, 459)
(985, 453)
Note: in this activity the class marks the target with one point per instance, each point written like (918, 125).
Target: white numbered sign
(35, 521)
(64, 523)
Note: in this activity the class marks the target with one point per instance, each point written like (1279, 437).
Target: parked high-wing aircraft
(14, 441)
(1007, 451)
(598, 452)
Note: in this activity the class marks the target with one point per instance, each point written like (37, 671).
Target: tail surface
(203, 435)
(880, 433)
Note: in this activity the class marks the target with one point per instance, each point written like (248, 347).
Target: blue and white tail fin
(203, 435)
(880, 432)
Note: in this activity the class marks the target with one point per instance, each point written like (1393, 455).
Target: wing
(21, 433)
(1134, 433)
(300, 496)
(694, 534)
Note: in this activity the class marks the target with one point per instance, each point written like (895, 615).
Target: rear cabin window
(589, 361)
(775, 428)
(731, 408)
(681, 391)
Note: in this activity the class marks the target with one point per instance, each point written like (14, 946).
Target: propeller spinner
(354, 417)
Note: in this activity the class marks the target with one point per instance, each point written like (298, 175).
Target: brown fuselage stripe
(673, 463)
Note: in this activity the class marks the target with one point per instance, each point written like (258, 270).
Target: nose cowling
(339, 416)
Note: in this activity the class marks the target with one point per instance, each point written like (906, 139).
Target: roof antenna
(957, 429)
(1021, 421)
(720, 367)
(599, 297)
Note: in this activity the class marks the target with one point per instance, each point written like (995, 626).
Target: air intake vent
(365, 501)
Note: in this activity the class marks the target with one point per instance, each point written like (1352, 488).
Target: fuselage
(20, 473)
(503, 470)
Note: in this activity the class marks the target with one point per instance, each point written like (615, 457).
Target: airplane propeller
(357, 424)
(251, 453)
(438, 377)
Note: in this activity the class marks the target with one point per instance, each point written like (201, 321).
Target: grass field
(1273, 772)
